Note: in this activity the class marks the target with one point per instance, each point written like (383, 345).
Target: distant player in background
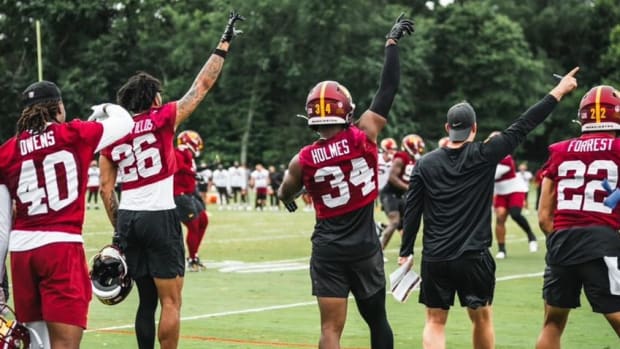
(339, 171)
(220, 182)
(239, 185)
(508, 200)
(204, 181)
(526, 176)
(190, 206)
(93, 185)
(275, 179)
(387, 149)
(392, 194)
(259, 181)
(44, 169)
(583, 244)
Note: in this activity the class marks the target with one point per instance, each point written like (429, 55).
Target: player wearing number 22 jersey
(45, 171)
(583, 243)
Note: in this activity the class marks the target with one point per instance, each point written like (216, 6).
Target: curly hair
(35, 117)
(139, 92)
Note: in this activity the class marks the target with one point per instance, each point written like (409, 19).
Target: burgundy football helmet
(599, 109)
(14, 334)
(191, 140)
(329, 103)
(413, 145)
(388, 144)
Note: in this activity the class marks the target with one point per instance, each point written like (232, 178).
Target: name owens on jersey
(578, 167)
(146, 160)
(47, 173)
(340, 173)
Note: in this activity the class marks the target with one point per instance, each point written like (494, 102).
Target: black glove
(116, 240)
(400, 28)
(291, 206)
(230, 32)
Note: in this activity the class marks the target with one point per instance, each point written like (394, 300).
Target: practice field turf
(256, 293)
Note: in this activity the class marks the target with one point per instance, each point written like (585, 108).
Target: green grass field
(256, 293)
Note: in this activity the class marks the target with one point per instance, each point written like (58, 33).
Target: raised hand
(230, 32)
(400, 28)
(567, 84)
(98, 113)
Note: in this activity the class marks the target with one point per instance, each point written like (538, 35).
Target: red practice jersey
(408, 163)
(185, 176)
(578, 166)
(340, 173)
(512, 172)
(47, 173)
(146, 155)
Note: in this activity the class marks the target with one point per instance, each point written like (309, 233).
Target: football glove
(291, 206)
(230, 32)
(613, 198)
(98, 113)
(401, 28)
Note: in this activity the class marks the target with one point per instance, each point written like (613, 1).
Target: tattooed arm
(107, 180)
(202, 84)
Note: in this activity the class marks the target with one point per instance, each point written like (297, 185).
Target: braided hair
(138, 93)
(35, 117)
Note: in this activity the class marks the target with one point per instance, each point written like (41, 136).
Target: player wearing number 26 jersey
(339, 172)
(583, 243)
(45, 170)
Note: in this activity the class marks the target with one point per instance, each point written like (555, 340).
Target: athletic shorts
(471, 276)
(363, 278)
(152, 242)
(391, 202)
(51, 283)
(188, 207)
(562, 285)
(509, 200)
(261, 193)
(203, 187)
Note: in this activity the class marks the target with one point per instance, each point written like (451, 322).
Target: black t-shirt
(452, 189)
(349, 237)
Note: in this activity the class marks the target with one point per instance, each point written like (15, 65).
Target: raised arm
(209, 73)
(373, 120)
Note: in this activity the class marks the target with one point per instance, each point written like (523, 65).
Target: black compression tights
(145, 317)
(515, 213)
(373, 311)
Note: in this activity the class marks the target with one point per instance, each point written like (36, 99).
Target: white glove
(99, 112)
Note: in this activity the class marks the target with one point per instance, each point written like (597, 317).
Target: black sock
(373, 311)
(515, 213)
(145, 317)
(502, 247)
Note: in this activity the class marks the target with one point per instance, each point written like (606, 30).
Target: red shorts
(509, 200)
(261, 193)
(51, 283)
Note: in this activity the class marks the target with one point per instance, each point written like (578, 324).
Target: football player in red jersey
(583, 245)
(392, 194)
(509, 199)
(45, 170)
(190, 205)
(147, 226)
(339, 171)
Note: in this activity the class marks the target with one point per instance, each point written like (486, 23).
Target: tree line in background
(499, 55)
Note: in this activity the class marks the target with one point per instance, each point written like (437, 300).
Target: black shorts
(152, 242)
(391, 202)
(562, 285)
(363, 278)
(188, 207)
(203, 187)
(471, 276)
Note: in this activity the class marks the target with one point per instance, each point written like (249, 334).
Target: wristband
(220, 53)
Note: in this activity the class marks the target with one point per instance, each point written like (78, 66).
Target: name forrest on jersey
(590, 145)
(330, 151)
(36, 142)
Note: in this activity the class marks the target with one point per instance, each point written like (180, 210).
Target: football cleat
(109, 276)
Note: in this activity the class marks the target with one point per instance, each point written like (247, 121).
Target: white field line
(281, 306)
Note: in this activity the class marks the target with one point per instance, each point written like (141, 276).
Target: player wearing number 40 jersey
(44, 168)
(583, 244)
(147, 225)
(339, 172)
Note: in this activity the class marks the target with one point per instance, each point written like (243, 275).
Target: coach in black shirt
(452, 188)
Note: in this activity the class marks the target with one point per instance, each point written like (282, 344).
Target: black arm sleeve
(390, 78)
(505, 143)
(412, 216)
